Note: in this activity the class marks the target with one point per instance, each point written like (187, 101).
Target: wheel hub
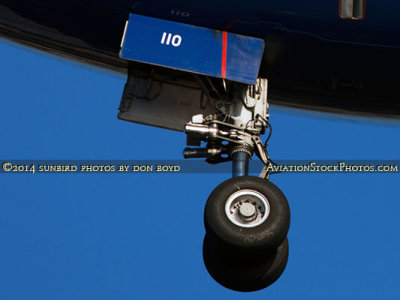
(247, 208)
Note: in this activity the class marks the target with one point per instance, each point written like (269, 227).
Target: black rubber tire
(259, 239)
(244, 276)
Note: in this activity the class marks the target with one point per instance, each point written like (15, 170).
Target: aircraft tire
(225, 208)
(244, 276)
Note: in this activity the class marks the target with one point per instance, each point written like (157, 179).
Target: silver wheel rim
(247, 208)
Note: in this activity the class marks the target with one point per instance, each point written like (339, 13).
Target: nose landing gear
(246, 218)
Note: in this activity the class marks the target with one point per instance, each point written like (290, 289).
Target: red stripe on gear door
(224, 51)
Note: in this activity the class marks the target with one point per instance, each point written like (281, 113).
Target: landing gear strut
(246, 218)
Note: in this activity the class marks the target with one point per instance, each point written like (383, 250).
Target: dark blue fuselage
(313, 58)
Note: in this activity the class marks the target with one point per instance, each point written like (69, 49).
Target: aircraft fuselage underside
(315, 58)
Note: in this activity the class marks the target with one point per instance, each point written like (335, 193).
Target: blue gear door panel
(191, 48)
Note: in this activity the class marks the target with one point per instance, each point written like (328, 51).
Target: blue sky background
(139, 236)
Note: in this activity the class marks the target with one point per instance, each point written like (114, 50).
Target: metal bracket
(240, 122)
